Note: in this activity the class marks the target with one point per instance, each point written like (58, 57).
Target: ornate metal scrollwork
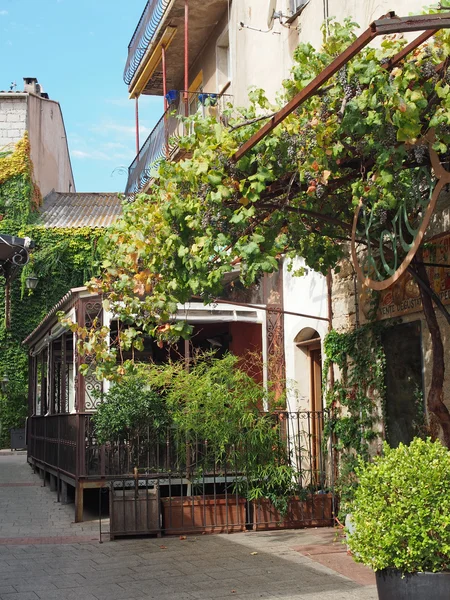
(19, 256)
(384, 246)
(93, 318)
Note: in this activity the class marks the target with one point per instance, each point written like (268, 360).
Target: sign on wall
(403, 297)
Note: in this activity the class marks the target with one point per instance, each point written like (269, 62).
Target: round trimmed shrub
(401, 509)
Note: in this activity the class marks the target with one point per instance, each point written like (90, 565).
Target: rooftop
(75, 209)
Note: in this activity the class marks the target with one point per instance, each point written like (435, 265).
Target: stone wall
(13, 119)
(352, 302)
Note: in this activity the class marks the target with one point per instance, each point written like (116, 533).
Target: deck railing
(67, 443)
(162, 141)
(149, 22)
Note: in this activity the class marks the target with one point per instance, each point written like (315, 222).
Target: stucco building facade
(31, 110)
(226, 48)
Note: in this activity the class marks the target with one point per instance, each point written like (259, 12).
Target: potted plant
(401, 519)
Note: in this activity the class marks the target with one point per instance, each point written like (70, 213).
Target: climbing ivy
(62, 259)
(356, 399)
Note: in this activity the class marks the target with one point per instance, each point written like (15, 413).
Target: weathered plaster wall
(264, 59)
(206, 61)
(307, 295)
(13, 118)
(42, 118)
(49, 150)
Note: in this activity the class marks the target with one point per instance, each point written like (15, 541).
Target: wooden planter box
(134, 512)
(203, 514)
(315, 511)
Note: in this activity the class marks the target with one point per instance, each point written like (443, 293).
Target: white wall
(264, 59)
(306, 295)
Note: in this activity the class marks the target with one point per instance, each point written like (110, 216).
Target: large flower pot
(203, 514)
(315, 511)
(391, 585)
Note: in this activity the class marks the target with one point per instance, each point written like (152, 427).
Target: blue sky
(77, 50)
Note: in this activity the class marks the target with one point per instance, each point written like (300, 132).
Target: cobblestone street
(44, 555)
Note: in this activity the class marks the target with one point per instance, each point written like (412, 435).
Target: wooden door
(316, 408)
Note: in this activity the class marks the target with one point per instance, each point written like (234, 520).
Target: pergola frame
(388, 24)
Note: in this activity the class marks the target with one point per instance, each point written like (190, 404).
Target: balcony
(162, 23)
(149, 22)
(162, 141)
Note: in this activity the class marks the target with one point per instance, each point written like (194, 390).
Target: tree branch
(435, 402)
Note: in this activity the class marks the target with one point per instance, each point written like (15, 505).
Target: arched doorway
(308, 369)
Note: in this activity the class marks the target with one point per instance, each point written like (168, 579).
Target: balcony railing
(163, 139)
(149, 22)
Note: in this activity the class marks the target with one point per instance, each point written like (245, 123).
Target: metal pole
(137, 125)
(164, 74)
(186, 56)
(166, 104)
(100, 515)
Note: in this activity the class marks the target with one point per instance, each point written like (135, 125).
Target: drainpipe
(326, 16)
(330, 316)
(333, 440)
(186, 56)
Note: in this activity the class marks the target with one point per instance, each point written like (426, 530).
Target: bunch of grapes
(427, 70)
(206, 219)
(320, 191)
(420, 153)
(447, 76)
(290, 145)
(343, 80)
(203, 190)
(215, 220)
(231, 169)
(383, 216)
(390, 136)
(324, 112)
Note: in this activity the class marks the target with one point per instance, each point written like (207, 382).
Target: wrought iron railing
(162, 141)
(149, 22)
(199, 491)
(68, 443)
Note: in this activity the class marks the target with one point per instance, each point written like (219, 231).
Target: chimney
(30, 85)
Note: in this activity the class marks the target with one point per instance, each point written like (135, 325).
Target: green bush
(128, 409)
(217, 402)
(401, 509)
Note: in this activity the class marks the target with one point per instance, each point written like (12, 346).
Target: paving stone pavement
(44, 555)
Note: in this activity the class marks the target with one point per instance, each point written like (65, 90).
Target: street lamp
(31, 281)
(4, 384)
